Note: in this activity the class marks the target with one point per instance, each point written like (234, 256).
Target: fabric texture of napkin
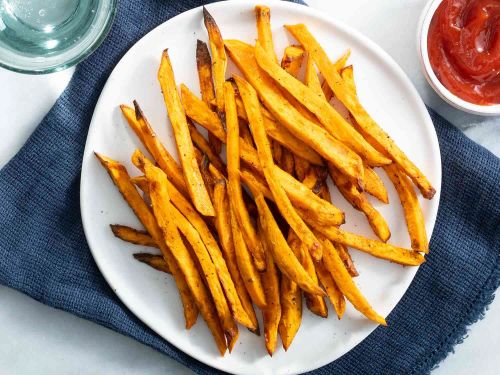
(43, 251)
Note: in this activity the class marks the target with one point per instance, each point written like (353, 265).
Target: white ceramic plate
(387, 94)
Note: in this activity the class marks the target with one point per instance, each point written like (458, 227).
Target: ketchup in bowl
(464, 49)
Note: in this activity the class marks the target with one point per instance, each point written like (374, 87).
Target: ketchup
(464, 49)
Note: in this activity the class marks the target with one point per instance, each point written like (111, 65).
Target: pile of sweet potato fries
(257, 227)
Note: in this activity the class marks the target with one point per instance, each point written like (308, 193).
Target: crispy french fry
(121, 179)
(190, 213)
(291, 311)
(154, 261)
(365, 124)
(248, 271)
(346, 285)
(272, 312)
(162, 209)
(263, 17)
(291, 301)
(346, 258)
(265, 37)
(331, 120)
(234, 186)
(313, 135)
(223, 225)
(140, 125)
(219, 59)
(375, 248)
(316, 304)
(194, 181)
(284, 257)
(205, 147)
(332, 290)
(293, 57)
(132, 235)
(339, 65)
(359, 201)
(204, 67)
(374, 185)
(371, 130)
(252, 108)
(411, 207)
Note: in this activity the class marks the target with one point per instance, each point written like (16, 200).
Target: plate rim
(353, 33)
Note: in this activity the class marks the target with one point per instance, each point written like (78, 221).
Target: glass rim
(79, 56)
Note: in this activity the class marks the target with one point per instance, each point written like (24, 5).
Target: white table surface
(36, 339)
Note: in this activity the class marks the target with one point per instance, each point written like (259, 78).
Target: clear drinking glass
(42, 36)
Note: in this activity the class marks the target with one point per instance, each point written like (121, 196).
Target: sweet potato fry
(162, 209)
(291, 311)
(234, 186)
(411, 207)
(313, 135)
(332, 290)
(265, 36)
(194, 182)
(252, 108)
(293, 57)
(290, 299)
(359, 201)
(132, 235)
(315, 303)
(272, 312)
(346, 258)
(346, 285)
(331, 120)
(121, 179)
(374, 185)
(248, 271)
(219, 59)
(371, 130)
(140, 125)
(365, 124)
(154, 261)
(376, 248)
(223, 225)
(284, 257)
(204, 67)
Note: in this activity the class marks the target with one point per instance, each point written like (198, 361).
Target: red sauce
(464, 49)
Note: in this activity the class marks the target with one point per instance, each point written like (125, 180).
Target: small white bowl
(443, 92)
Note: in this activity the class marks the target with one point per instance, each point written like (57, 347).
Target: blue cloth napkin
(43, 251)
